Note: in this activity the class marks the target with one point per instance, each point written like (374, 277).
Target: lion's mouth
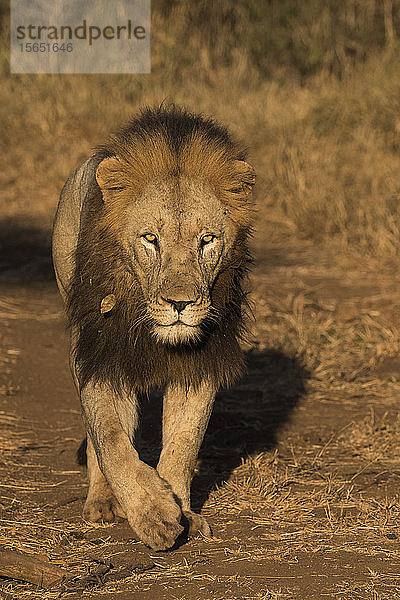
(177, 322)
(177, 332)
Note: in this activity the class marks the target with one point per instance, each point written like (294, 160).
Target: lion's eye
(150, 237)
(207, 239)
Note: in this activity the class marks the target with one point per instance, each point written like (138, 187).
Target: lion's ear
(108, 174)
(246, 175)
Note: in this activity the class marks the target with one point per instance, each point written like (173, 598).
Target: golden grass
(326, 150)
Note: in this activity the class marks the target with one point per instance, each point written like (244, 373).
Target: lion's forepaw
(154, 515)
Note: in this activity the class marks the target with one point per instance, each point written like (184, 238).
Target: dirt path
(299, 471)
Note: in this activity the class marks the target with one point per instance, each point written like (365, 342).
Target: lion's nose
(179, 305)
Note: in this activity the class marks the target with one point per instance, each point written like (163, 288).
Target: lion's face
(176, 235)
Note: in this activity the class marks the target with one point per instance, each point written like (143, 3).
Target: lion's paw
(154, 514)
(197, 524)
(102, 510)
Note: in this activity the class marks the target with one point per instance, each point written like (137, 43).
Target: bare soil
(299, 471)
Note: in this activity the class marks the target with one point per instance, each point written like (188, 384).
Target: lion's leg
(185, 418)
(101, 505)
(146, 499)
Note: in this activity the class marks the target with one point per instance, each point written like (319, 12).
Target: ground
(299, 471)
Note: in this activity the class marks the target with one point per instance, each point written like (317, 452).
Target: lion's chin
(176, 334)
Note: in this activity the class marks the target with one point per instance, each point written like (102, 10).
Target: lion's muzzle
(177, 320)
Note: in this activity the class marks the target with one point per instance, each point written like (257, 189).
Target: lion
(150, 248)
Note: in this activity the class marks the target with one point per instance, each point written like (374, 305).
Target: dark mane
(177, 126)
(118, 347)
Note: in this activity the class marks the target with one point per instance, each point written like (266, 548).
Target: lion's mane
(118, 348)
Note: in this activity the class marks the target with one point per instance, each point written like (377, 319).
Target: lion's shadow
(245, 420)
(25, 251)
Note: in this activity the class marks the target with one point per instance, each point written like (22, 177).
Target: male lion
(149, 248)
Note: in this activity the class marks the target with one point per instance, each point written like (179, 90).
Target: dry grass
(338, 341)
(326, 150)
(327, 155)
